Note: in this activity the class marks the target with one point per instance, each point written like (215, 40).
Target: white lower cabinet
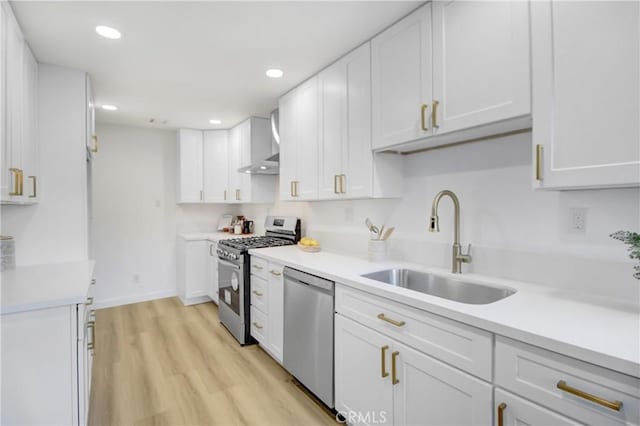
(514, 411)
(212, 271)
(47, 365)
(267, 306)
(192, 266)
(382, 381)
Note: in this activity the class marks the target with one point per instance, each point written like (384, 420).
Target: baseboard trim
(195, 300)
(119, 301)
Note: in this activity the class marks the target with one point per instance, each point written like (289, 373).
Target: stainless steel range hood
(271, 164)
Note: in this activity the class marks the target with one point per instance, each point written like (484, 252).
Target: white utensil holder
(377, 250)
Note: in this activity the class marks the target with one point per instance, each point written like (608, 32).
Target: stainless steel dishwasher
(308, 332)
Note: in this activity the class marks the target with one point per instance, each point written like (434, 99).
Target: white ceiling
(188, 62)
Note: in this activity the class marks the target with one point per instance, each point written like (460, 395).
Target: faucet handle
(466, 257)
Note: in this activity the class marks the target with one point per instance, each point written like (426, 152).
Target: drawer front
(517, 411)
(536, 374)
(258, 325)
(259, 289)
(275, 272)
(259, 267)
(457, 344)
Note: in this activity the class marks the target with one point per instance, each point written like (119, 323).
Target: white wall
(135, 214)
(55, 230)
(516, 232)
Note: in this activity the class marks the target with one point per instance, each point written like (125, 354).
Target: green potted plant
(632, 239)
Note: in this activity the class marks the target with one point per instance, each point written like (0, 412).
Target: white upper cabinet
(190, 166)
(215, 165)
(401, 76)
(299, 142)
(19, 105)
(586, 94)
(480, 63)
(346, 166)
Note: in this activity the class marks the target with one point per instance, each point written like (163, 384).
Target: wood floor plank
(161, 363)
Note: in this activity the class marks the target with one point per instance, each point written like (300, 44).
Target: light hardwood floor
(161, 363)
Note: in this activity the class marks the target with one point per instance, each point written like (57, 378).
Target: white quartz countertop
(211, 236)
(601, 331)
(28, 288)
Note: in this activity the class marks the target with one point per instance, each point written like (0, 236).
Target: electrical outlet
(578, 220)
(136, 279)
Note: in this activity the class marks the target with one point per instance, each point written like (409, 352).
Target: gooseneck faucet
(458, 258)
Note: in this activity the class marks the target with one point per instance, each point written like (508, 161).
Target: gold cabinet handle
(383, 361)
(16, 181)
(258, 326)
(210, 249)
(201, 195)
(91, 344)
(423, 120)
(237, 195)
(257, 293)
(538, 162)
(93, 281)
(434, 114)
(501, 408)
(89, 301)
(275, 273)
(94, 139)
(383, 317)
(335, 184)
(343, 184)
(296, 187)
(291, 189)
(613, 405)
(34, 194)
(225, 195)
(394, 377)
(257, 267)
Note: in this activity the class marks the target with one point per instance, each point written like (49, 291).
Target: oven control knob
(233, 256)
(226, 253)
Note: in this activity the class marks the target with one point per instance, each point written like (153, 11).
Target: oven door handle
(229, 264)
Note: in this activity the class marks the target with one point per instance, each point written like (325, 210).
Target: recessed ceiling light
(108, 32)
(248, 171)
(263, 167)
(109, 107)
(274, 73)
(214, 121)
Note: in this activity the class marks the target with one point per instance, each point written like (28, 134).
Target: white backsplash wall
(516, 232)
(135, 214)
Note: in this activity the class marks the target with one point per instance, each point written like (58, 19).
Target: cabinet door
(585, 111)
(276, 310)
(429, 392)
(517, 411)
(234, 158)
(288, 147)
(215, 165)
(357, 156)
(12, 149)
(190, 166)
(332, 86)
(480, 62)
(364, 393)
(212, 271)
(30, 160)
(197, 256)
(306, 116)
(401, 75)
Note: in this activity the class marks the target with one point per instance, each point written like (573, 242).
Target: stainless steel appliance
(308, 332)
(234, 277)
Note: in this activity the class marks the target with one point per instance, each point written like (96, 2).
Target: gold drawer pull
(335, 184)
(423, 110)
(501, 408)
(94, 139)
(258, 326)
(257, 293)
(383, 356)
(34, 194)
(614, 405)
(538, 162)
(257, 266)
(391, 321)
(434, 114)
(89, 301)
(394, 378)
(275, 273)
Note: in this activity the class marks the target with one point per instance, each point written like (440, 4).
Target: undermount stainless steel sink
(441, 286)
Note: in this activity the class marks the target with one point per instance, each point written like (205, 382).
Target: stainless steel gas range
(234, 272)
